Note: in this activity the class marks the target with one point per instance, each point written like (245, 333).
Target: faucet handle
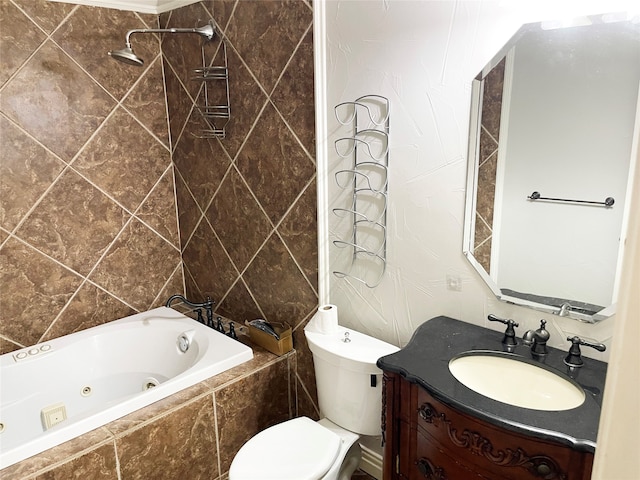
(492, 318)
(574, 358)
(509, 339)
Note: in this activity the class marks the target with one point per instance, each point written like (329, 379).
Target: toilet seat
(298, 449)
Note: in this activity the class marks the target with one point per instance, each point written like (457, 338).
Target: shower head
(127, 56)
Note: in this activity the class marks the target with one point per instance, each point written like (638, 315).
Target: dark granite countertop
(425, 361)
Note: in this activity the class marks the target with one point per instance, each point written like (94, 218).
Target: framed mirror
(554, 125)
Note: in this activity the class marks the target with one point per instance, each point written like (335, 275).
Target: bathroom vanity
(437, 428)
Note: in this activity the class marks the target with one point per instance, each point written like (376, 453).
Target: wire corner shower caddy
(367, 180)
(216, 115)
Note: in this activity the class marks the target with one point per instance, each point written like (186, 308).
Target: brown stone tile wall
(247, 203)
(110, 203)
(488, 162)
(97, 222)
(88, 212)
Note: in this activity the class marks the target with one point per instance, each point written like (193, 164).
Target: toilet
(349, 388)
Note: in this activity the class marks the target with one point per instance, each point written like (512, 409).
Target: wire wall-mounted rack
(367, 179)
(215, 79)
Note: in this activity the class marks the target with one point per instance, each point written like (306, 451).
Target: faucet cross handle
(509, 339)
(574, 357)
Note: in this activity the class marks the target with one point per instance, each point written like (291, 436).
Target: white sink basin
(507, 379)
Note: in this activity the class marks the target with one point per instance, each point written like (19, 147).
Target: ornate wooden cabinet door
(427, 439)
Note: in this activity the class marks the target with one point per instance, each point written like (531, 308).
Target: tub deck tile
(185, 440)
(250, 405)
(71, 449)
(98, 464)
(156, 410)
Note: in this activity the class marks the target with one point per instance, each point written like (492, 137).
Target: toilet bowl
(349, 388)
(299, 449)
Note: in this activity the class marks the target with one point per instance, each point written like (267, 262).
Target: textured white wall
(422, 55)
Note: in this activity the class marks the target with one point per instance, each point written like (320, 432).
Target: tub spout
(207, 305)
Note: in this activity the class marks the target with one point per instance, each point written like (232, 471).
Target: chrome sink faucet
(537, 339)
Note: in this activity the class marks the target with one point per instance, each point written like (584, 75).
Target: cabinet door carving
(540, 466)
(429, 470)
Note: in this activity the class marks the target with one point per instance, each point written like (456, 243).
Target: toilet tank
(348, 382)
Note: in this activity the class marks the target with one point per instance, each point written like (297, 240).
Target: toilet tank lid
(360, 348)
(298, 449)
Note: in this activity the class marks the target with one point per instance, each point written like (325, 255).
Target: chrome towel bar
(608, 202)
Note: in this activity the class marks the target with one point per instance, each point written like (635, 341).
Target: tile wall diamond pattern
(291, 96)
(89, 50)
(488, 163)
(16, 46)
(147, 103)
(202, 162)
(271, 153)
(266, 35)
(267, 163)
(124, 159)
(243, 219)
(247, 99)
(74, 223)
(26, 171)
(87, 206)
(56, 101)
(247, 203)
(35, 290)
(110, 203)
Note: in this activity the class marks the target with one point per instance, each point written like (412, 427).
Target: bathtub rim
(113, 411)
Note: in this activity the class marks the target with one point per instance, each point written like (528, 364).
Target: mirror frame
(471, 192)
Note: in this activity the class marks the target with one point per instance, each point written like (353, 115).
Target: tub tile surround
(246, 203)
(56, 101)
(242, 408)
(188, 433)
(97, 204)
(85, 173)
(98, 464)
(110, 204)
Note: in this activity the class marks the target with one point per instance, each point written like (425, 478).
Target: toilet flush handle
(346, 338)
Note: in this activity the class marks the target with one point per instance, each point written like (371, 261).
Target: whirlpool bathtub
(56, 390)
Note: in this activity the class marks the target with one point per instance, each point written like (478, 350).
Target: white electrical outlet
(454, 282)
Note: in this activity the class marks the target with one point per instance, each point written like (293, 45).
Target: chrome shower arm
(127, 55)
(206, 31)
